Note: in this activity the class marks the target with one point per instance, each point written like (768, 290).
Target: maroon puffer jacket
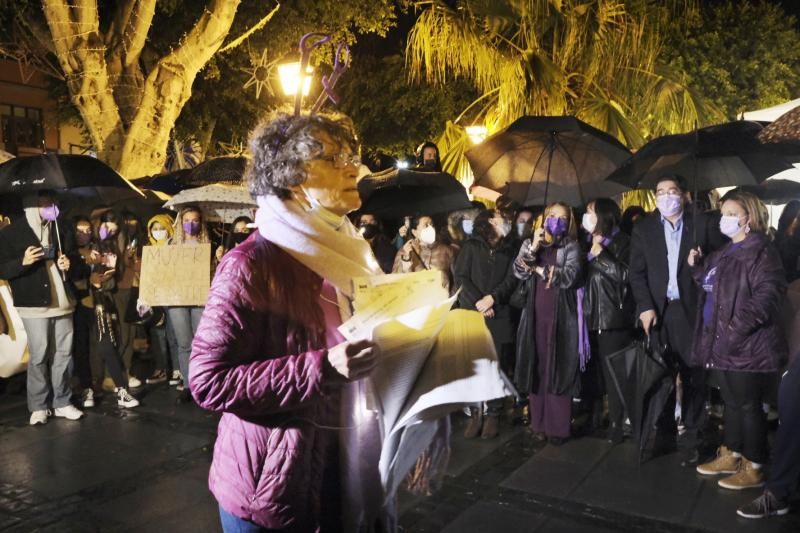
(257, 358)
(745, 332)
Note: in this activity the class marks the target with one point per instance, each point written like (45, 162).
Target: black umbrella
(81, 176)
(775, 191)
(171, 183)
(226, 170)
(717, 156)
(643, 381)
(537, 160)
(396, 193)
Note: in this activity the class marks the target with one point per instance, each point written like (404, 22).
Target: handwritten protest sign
(175, 275)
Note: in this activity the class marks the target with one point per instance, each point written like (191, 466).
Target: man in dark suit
(666, 296)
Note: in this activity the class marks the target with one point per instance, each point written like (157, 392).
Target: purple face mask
(104, 233)
(669, 204)
(49, 213)
(191, 228)
(556, 226)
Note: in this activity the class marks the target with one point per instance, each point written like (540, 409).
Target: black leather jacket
(608, 300)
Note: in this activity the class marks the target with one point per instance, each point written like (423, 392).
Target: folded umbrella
(643, 381)
(538, 160)
(396, 193)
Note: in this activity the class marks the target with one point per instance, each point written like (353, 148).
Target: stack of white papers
(433, 361)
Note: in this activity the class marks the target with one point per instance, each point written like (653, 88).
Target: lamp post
(289, 74)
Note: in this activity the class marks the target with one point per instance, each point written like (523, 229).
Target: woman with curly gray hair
(268, 356)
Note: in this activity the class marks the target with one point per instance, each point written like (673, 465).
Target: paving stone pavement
(146, 470)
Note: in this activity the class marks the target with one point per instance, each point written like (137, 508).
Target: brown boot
(473, 426)
(748, 477)
(490, 427)
(724, 463)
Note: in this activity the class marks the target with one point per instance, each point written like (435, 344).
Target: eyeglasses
(342, 160)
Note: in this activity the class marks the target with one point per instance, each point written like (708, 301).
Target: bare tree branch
(260, 24)
(129, 30)
(169, 85)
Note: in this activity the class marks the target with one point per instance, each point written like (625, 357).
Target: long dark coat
(480, 270)
(564, 372)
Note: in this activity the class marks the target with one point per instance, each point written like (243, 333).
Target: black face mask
(369, 230)
(429, 163)
(239, 238)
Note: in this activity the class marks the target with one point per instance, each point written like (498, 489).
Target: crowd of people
(75, 283)
(561, 290)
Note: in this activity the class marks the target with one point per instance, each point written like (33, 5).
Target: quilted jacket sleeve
(223, 376)
(768, 288)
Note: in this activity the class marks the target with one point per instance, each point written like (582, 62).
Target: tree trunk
(129, 118)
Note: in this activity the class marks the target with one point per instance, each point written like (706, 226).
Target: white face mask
(428, 235)
(160, 234)
(322, 212)
(467, 225)
(589, 222)
(523, 230)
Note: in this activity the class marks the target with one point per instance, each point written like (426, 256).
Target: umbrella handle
(60, 249)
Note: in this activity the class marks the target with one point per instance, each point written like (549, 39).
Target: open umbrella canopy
(81, 176)
(224, 202)
(227, 170)
(396, 193)
(785, 128)
(775, 191)
(717, 156)
(171, 183)
(537, 160)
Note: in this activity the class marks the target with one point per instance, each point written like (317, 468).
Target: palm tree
(595, 59)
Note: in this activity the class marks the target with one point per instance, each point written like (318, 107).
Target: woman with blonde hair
(190, 230)
(552, 340)
(738, 335)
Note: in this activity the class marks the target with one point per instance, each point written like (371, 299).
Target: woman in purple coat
(268, 356)
(738, 336)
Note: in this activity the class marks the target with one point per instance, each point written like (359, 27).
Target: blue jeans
(184, 321)
(234, 524)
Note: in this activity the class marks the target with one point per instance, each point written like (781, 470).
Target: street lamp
(289, 74)
(476, 134)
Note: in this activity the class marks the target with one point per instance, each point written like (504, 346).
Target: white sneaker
(87, 398)
(134, 382)
(124, 399)
(70, 412)
(175, 378)
(39, 417)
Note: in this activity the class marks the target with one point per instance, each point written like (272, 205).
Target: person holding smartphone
(551, 350)
(34, 258)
